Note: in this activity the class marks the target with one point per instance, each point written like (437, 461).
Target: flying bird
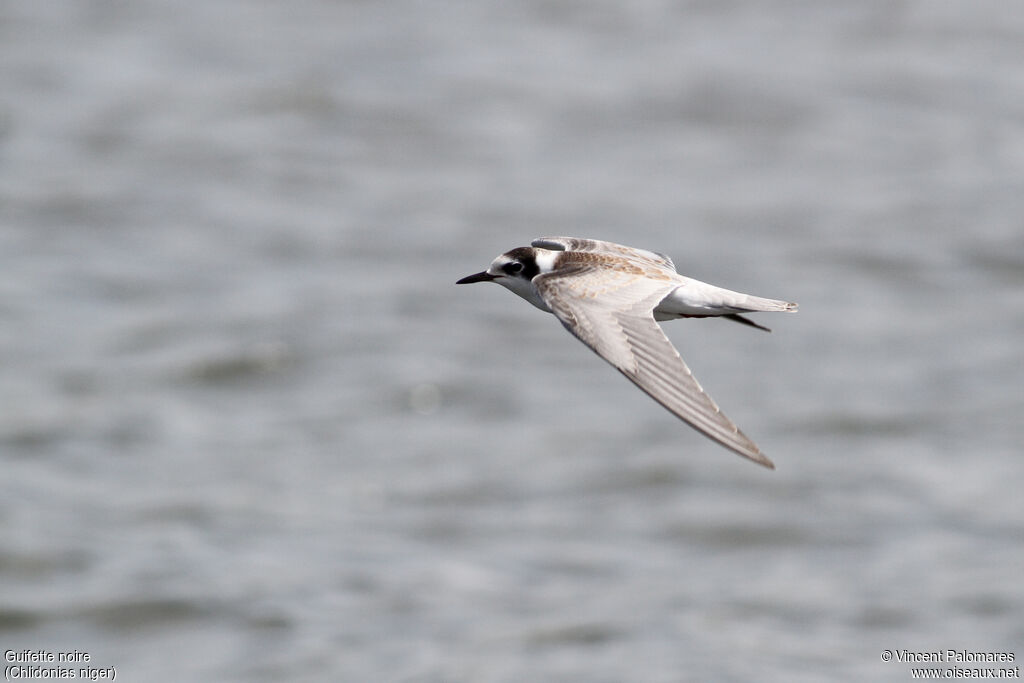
(611, 297)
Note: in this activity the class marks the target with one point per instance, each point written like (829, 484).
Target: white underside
(690, 298)
(694, 297)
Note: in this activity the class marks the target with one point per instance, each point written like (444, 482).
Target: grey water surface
(251, 431)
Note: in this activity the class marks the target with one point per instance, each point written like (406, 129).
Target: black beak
(479, 277)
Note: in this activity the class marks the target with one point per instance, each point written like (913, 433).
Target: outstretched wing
(612, 311)
(599, 247)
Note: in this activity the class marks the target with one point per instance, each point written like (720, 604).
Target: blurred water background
(251, 431)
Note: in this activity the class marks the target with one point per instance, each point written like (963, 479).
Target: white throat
(524, 288)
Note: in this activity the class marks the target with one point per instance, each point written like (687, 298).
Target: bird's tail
(757, 303)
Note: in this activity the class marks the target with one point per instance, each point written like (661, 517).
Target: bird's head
(515, 270)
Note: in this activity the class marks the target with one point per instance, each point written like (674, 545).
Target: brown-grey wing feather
(602, 247)
(662, 373)
(612, 313)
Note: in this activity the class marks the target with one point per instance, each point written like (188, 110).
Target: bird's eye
(512, 267)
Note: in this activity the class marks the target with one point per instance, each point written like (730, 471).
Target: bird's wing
(611, 311)
(599, 247)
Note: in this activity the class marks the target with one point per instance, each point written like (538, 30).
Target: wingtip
(749, 450)
(762, 460)
(752, 452)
